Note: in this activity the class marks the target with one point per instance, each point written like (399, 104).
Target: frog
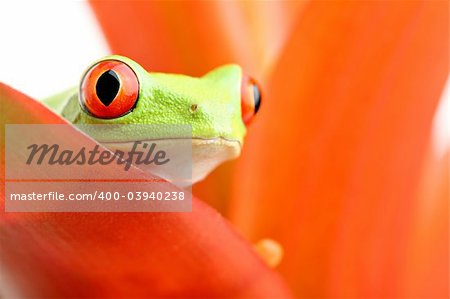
(116, 90)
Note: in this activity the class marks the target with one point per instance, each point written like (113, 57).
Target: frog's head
(218, 106)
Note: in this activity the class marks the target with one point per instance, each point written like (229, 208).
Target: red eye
(250, 98)
(109, 89)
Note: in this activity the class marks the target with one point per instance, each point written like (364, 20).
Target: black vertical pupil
(256, 97)
(107, 87)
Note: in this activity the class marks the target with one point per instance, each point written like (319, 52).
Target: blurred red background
(339, 166)
(342, 166)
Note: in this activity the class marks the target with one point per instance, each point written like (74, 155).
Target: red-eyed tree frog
(117, 90)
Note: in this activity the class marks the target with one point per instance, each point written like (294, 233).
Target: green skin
(167, 99)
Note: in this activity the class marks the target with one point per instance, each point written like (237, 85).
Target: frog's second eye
(109, 89)
(250, 98)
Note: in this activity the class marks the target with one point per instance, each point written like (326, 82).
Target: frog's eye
(109, 89)
(250, 98)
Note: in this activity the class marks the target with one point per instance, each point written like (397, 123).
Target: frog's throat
(207, 154)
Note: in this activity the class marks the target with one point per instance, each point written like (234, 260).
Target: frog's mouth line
(206, 153)
(215, 140)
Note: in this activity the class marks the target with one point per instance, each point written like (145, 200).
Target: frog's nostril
(193, 108)
(250, 98)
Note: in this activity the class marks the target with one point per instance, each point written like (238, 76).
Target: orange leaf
(331, 168)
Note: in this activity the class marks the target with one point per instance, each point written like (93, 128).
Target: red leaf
(123, 254)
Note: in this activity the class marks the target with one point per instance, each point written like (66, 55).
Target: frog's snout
(250, 98)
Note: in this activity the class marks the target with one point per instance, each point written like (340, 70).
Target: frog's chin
(205, 156)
